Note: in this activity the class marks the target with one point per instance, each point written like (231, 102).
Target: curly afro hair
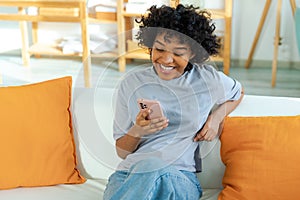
(188, 21)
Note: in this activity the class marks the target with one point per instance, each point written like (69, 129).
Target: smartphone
(154, 105)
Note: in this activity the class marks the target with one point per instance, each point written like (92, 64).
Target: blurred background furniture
(67, 11)
(297, 23)
(75, 11)
(64, 11)
(277, 39)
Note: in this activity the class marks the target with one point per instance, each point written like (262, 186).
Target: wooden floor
(256, 80)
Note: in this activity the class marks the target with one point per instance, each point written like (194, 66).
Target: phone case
(154, 105)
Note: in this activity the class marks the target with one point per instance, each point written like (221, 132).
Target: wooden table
(23, 17)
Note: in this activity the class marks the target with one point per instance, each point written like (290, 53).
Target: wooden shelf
(56, 11)
(126, 14)
(96, 21)
(107, 18)
(138, 54)
(51, 11)
(64, 11)
(53, 50)
(48, 49)
(112, 54)
(217, 13)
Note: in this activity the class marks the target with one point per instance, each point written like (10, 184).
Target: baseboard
(266, 63)
(15, 52)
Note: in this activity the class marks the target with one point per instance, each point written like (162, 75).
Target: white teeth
(166, 68)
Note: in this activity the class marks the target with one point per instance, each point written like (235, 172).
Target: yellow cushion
(37, 146)
(262, 158)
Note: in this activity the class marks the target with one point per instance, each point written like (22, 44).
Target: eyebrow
(177, 48)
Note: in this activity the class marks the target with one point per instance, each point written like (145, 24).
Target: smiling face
(169, 56)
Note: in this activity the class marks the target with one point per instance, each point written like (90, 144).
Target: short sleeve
(231, 88)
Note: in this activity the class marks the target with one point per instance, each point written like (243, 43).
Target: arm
(128, 143)
(214, 123)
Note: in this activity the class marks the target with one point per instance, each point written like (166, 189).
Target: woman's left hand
(214, 124)
(210, 130)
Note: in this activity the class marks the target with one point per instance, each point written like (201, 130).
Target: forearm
(128, 143)
(225, 109)
(213, 125)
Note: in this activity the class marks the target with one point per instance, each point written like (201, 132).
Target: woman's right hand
(145, 126)
(128, 143)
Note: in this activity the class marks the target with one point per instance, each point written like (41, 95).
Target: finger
(145, 113)
(141, 118)
(154, 127)
(210, 137)
(201, 135)
(207, 138)
(160, 122)
(143, 123)
(140, 115)
(161, 119)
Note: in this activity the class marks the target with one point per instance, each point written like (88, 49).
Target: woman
(160, 155)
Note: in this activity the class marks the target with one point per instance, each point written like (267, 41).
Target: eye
(178, 54)
(159, 50)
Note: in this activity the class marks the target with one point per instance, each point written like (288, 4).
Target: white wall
(10, 37)
(246, 16)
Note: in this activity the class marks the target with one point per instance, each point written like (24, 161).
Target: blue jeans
(150, 179)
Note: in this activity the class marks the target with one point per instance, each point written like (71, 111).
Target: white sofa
(92, 116)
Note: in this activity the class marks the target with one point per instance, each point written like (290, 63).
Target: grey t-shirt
(186, 102)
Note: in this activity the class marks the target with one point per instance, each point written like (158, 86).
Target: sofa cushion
(37, 146)
(90, 190)
(262, 158)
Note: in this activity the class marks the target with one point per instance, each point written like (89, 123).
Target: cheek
(154, 56)
(182, 63)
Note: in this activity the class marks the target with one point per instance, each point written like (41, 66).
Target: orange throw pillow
(37, 146)
(262, 158)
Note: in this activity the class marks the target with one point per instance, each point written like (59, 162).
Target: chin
(165, 78)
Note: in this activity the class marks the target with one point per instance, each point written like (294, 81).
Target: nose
(167, 57)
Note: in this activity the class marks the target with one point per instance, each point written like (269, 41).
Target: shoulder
(211, 75)
(136, 75)
(139, 72)
(135, 78)
(206, 71)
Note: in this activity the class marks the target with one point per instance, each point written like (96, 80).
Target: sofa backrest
(93, 118)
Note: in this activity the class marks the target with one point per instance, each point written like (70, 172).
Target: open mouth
(166, 68)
